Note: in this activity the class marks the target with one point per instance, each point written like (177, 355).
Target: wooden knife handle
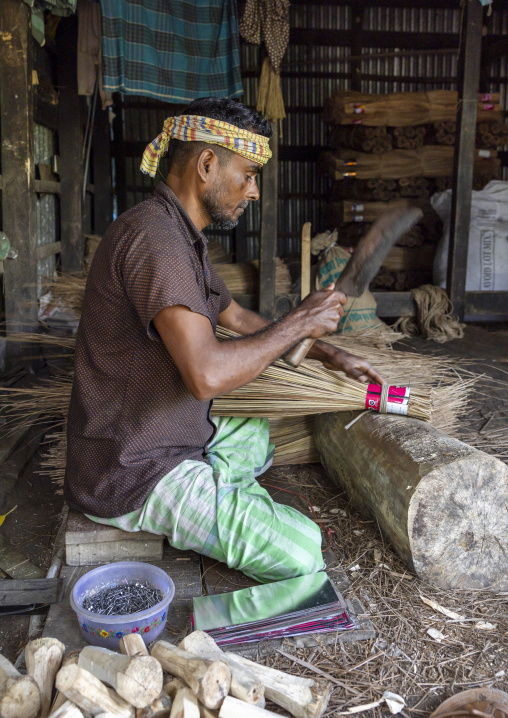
(299, 352)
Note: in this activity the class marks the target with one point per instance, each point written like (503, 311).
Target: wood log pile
(385, 148)
(195, 680)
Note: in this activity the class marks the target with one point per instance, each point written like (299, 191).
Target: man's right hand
(321, 311)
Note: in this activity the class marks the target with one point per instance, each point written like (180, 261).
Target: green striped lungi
(220, 510)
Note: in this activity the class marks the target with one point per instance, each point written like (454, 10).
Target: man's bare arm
(210, 368)
(244, 322)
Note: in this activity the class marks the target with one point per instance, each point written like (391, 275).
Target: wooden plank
(395, 304)
(184, 567)
(47, 186)
(469, 80)
(29, 591)
(80, 529)
(71, 149)
(16, 564)
(487, 306)
(95, 554)
(268, 239)
(101, 165)
(306, 257)
(18, 172)
(46, 250)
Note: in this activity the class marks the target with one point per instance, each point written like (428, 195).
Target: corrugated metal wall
(310, 74)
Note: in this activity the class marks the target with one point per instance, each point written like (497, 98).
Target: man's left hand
(354, 367)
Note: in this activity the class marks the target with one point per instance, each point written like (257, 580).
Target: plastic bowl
(107, 630)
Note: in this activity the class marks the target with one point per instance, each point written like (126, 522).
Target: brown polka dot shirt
(131, 417)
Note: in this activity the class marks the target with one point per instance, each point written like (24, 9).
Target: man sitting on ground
(143, 452)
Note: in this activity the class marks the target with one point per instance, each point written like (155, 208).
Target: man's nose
(253, 193)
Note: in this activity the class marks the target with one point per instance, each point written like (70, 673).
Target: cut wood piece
(19, 695)
(67, 710)
(70, 659)
(441, 503)
(89, 694)
(159, 708)
(210, 680)
(233, 708)
(133, 645)
(244, 684)
(88, 543)
(185, 702)
(206, 712)
(137, 679)
(43, 659)
(302, 697)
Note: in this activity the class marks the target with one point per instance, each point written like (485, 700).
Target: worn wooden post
(101, 162)
(268, 241)
(70, 140)
(306, 258)
(18, 195)
(469, 81)
(119, 154)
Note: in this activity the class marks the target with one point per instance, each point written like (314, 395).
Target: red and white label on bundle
(358, 109)
(486, 97)
(397, 398)
(488, 106)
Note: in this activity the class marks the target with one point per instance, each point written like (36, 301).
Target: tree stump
(442, 504)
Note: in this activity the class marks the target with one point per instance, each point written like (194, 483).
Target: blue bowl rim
(127, 617)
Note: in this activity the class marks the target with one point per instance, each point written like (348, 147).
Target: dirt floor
(404, 658)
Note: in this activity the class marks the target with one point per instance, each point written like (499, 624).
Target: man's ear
(207, 164)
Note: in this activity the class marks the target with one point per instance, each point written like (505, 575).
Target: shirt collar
(169, 198)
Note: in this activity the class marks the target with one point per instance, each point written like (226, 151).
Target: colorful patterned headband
(192, 128)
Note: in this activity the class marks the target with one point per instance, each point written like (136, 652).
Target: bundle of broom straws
(288, 397)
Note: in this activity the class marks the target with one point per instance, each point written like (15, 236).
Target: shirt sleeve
(158, 272)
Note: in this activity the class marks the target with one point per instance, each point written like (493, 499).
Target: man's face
(233, 188)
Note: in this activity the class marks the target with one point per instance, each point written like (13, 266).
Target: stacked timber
(386, 148)
(196, 679)
(243, 278)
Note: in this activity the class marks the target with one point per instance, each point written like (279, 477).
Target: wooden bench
(88, 543)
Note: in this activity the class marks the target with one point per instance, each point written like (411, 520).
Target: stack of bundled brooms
(387, 147)
(195, 680)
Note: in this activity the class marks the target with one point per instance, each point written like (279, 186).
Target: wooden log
(302, 697)
(136, 679)
(89, 694)
(70, 659)
(133, 645)
(210, 680)
(43, 659)
(441, 503)
(19, 695)
(233, 708)
(157, 708)
(185, 702)
(68, 709)
(244, 684)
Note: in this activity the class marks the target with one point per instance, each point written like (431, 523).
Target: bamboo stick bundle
(217, 253)
(347, 107)
(408, 138)
(242, 278)
(366, 211)
(427, 161)
(289, 397)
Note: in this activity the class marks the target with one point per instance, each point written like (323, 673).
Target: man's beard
(213, 202)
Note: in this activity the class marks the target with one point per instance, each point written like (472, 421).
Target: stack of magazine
(307, 604)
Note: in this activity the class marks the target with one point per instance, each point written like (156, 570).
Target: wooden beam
(18, 171)
(306, 259)
(469, 80)
(486, 306)
(268, 240)
(47, 186)
(71, 149)
(101, 167)
(28, 591)
(47, 250)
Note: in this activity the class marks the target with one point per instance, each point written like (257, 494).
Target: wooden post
(70, 136)
(306, 231)
(101, 162)
(119, 155)
(18, 194)
(268, 241)
(469, 81)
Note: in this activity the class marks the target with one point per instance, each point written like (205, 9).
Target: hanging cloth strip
(192, 128)
(175, 50)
